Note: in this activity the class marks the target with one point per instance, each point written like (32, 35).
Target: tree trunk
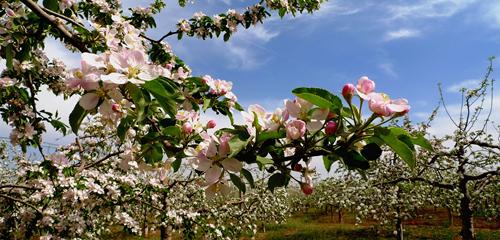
(399, 224)
(340, 215)
(450, 217)
(399, 229)
(467, 231)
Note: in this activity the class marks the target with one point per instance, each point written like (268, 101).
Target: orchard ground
(318, 224)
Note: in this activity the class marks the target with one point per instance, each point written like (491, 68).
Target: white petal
(116, 78)
(89, 101)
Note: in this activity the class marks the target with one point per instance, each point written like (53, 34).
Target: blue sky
(407, 47)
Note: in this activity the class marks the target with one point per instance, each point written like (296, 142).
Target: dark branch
(483, 175)
(21, 201)
(420, 179)
(19, 186)
(103, 159)
(67, 35)
(485, 144)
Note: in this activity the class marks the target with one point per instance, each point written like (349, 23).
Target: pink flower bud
(116, 107)
(330, 128)
(306, 188)
(297, 167)
(365, 85)
(169, 66)
(211, 124)
(187, 128)
(348, 91)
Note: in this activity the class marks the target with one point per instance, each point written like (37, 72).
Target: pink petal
(212, 175)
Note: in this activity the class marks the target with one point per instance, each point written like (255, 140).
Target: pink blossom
(295, 129)
(400, 106)
(6, 82)
(298, 108)
(130, 66)
(88, 76)
(365, 86)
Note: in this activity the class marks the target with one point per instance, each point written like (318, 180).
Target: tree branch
(21, 201)
(103, 159)
(420, 179)
(485, 144)
(67, 35)
(19, 186)
(481, 176)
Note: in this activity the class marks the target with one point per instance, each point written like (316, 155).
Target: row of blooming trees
(138, 121)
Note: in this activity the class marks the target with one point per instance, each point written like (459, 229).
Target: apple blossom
(295, 129)
(365, 86)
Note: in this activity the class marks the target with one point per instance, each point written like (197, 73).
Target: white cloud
(258, 32)
(388, 68)
(402, 33)
(469, 83)
(428, 9)
(490, 12)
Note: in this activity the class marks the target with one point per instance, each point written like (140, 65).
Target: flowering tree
(148, 106)
(465, 163)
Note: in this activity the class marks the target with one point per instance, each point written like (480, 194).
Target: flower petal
(89, 101)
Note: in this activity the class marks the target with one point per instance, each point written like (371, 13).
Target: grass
(315, 225)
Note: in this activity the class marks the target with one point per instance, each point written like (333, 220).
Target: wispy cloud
(490, 12)
(388, 68)
(428, 9)
(463, 84)
(402, 33)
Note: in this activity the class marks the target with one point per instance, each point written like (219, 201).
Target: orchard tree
(467, 160)
(149, 105)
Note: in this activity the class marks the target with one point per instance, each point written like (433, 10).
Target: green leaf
(153, 153)
(276, 180)
(328, 160)
(407, 140)
(9, 56)
(76, 117)
(319, 97)
(398, 146)
(138, 98)
(59, 126)
(237, 182)
(371, 151)
(262, 161)
(248, 175)
(354, 160)
(264, 136)
(176, 164)
(422, 142)
(123, 127)
(162, 95)
(417, 139)
(236, 145)
(51, 4)
(172, 131)
(227, 35)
